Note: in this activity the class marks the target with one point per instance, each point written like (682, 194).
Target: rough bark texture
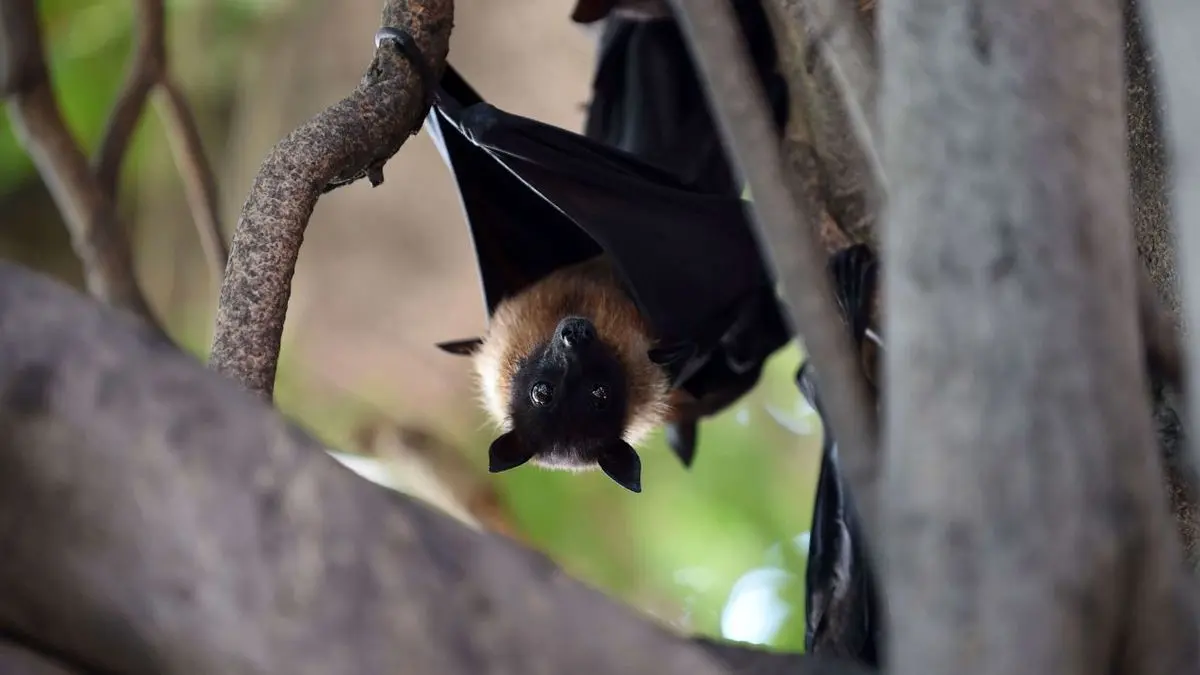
(1024, 510)
(361, 131)
(1152, 219)
(163, 521)
(828, 54)
(1172, 25)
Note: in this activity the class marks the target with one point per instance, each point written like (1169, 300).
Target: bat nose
(576, 332)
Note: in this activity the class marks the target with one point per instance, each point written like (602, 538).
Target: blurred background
(386, 272)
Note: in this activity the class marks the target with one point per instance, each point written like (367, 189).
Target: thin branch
(149, 73)
(787, 232)
(147, 65)
(157, 518)
(196, 171)
(89, 212)
(358, 133)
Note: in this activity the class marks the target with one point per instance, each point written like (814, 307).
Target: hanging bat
(619, 296)
(647, 99)
(841, 597)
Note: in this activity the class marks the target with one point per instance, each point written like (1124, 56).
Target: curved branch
(146, 68)
(362, 130)
(193, 166)
(157, 518)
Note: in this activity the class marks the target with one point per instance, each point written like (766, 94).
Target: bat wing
(518, 235)
(842, 610)
(539, 197)
(647, 98)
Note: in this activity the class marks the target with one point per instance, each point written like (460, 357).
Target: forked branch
(87, 197)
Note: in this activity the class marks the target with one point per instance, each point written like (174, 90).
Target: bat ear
(461, 347)
(621, 463)
(681, 437)
(507, 452)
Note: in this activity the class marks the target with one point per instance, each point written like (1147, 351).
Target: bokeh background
(386, 272)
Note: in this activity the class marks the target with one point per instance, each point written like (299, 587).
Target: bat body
(647, 99)
(843, 604)
(663, 279)
(565, 372)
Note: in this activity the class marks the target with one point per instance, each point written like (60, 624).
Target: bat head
(568, 404)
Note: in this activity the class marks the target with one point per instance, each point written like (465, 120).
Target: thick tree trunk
(1026, 528)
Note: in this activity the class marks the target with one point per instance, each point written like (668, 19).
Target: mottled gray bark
(1026, 528)
(1172, 25)
(156, 518)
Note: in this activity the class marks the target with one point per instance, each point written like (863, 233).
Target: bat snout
(575, 332)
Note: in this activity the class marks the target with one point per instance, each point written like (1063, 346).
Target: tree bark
(157, 518)
(1026, 528)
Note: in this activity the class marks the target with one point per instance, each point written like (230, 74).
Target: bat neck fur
(526, 320)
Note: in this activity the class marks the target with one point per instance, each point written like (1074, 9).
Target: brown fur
(589, 289)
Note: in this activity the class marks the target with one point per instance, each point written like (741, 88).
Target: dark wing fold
(647, 97)
(843, 612)
(538, 197)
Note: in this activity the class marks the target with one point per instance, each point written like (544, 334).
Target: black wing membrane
(843, 614)
(538, 197)
(647, 99)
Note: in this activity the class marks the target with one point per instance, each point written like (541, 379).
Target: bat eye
(600, 395)
(541, 394)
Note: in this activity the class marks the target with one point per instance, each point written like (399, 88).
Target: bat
(647, 99)
(843, 614)
(618, 295)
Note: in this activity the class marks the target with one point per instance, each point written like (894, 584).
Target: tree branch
(359, 132)
(743, 659)
(147, 65)
(193, 166)
(18, 659)
(157, 518)
(89, 211)
(87, 197)
(787, 231)
(148, 72)
(1168, 23)
(1024, 507)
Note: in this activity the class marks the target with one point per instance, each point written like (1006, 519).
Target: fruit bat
(618, 295)
(843, 613)
(647, 99)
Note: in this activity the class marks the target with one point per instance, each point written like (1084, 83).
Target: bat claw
(407, 46)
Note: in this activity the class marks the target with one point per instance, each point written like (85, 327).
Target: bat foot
(681, 438)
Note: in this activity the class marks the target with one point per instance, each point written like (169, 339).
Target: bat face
(568, 405)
